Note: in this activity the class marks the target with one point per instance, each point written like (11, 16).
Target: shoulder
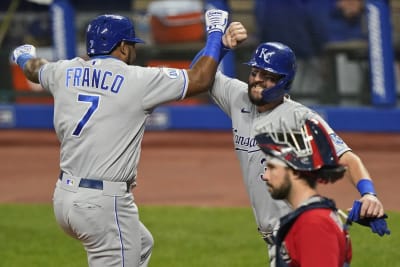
(223, 82)
(318, 220)
(59, 65)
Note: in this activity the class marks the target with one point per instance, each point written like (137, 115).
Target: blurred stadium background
(349, 101)
(29, 158)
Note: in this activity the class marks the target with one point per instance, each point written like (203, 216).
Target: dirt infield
(184, 168)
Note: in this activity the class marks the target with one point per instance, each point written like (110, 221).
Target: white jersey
(93, 100)
(232, 97)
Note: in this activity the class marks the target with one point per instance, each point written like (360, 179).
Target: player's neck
(299, 194)
(269, 106)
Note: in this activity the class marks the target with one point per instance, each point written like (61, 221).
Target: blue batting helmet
(279, 59)
(105, 32)
(308, 149)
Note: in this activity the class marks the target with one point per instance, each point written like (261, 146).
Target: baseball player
(313, 234)
(265, 96)
(100, 108)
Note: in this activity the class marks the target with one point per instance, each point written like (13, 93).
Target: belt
(92, 184)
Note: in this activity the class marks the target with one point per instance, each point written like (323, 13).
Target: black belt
(92, 184)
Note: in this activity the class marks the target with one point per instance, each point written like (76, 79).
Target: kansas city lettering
(92, 77)
(245, 141)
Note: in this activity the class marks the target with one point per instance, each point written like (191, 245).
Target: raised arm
(25, 57)
(205, 64)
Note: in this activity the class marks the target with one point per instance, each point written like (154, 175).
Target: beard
(254, 100)
(281, 191)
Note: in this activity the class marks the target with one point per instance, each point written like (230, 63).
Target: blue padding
(210, 117)
(202, 117)
(362, 119)
(27, 116)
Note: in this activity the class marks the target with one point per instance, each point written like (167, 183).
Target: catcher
(297, 159)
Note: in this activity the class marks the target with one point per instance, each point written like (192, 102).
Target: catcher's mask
(279, 59)
(105, 32)
(308, 149)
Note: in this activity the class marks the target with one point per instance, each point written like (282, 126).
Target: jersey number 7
(94, 101)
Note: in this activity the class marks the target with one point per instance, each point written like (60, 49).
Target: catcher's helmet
(279, 59)
(308, 149)
(107, 31)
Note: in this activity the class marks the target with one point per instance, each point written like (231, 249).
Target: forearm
(360, 177)
(201, 76)
(215, 49)
(356, 170)
(25, 57)
(32, 67)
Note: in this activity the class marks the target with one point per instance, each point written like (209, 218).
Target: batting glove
(216, 20)
(23, 53)
(377, 225)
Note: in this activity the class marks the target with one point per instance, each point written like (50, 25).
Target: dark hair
(310, 177)
(326, 174)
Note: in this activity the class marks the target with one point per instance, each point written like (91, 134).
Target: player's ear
(295, 173)
(123, 51)
(123, 48)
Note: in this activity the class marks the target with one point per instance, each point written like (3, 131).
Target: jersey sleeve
(46, 75)
(224, 90)
(164, 85)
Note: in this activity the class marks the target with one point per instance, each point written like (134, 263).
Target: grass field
(184, 236)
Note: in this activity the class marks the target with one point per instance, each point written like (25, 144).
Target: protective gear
(23, 53)
(216, 20)
(105, 32)
(308, 149)
(279, 59)
(216, 23)
(377, 225)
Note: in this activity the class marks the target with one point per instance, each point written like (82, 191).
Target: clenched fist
(235, 34)
(23, 53)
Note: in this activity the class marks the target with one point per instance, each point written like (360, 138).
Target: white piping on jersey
(119, 232)
(185, 85)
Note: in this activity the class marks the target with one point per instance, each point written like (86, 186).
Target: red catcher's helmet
(308, 149)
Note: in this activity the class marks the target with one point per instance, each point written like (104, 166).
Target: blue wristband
(22, 59)
(213, 45)
(365, 186)
(224, 50)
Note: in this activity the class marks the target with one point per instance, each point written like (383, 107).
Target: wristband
(224, 50)
(22, 59)
(213, 45)
(365, 186)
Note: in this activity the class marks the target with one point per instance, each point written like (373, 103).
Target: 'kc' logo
(265, 55)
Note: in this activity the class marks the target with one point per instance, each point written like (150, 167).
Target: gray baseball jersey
(232, 97)
(100, 109)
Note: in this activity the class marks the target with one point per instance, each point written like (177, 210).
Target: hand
(235, 34)
(23, 53)
(378, 225)
(371, 207)
(216, 20)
